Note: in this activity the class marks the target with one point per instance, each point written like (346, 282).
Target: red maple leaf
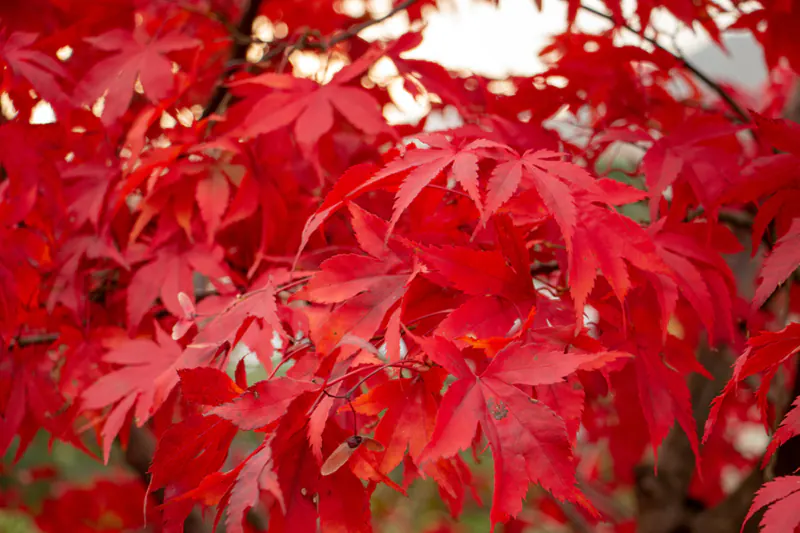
(167, 275)
(263, 403)
(612, 243)
(365, 288)
(42, 71)
(408, 423)
(765, 352)
(146, 375)
(272, 101)
(476, 272)
(458, 162)
(703, 277)
(779, 264)
(139, 56)
(789, 428)
(520, 430)
(782, 495)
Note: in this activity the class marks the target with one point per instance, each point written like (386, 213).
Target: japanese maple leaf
(456, 161)
(492, 345)
(410, 413)
(781, 133)
(138, 57)
(703, 276)
(365, 288)
(789, 428)
(529, 441)
(30, 403)
(231, 323)
(664, 161)
(22, 265)
(765, 177)
(309, 501)
(480, 317)
(254, 475)
(262, 403)
(169, 273)
(69, 285)
(272, 101)
(687, 11)
(771, 180)
(361, 315)
(555, 182)
(475, 272)
(345, 276)
(207, 386)
(26, 158)
(213, 192)
(779, 264)
(146, 375)
(85, 189)
(782, 495)
(566, 400)
(616, 246)
(41, 70)
(190, 452)
(355, 182)
(409, 409)
(663, 397)
(765, 352)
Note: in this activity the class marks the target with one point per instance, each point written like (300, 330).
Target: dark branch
(355, 29)
(242, 40)
(238, 52)
(30, 340)
(303, 43)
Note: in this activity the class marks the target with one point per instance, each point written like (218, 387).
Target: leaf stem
(303, 43)
(238, 51)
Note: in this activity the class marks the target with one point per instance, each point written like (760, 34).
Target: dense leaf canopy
(231, 273)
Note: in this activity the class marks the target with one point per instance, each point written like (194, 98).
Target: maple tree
(260, 305)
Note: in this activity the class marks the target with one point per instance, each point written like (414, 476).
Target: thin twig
(714, 86)
(238, 51)
(303, 43)
(355, 29)
(30, 340)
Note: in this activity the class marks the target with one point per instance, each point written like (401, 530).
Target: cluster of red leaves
(410, 295)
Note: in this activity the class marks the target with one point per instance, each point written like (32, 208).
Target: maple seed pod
(186, 322)
(187, 305)
(345, 450)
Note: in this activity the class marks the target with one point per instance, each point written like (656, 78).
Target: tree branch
(238, 52)
(699, 74)
(30, 340)
(278, 47)
(355, 29)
